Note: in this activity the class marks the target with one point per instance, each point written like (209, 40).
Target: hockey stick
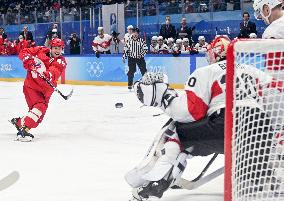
(206, 167)
(202, 172)
(191, 185)
(9, 180)
(66, 97)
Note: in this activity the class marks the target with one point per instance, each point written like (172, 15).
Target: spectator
(74, 42)
(135, 50)
(154, 45)
(246, 27)
(53, 32)
(27, 35)
(184, 31)
(101, 43)
(168, 30)
(201, 46)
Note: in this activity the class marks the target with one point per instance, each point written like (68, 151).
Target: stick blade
(69, 95)
(9, 180)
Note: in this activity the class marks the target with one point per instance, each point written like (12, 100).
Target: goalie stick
(66, 97)
(9, 180)
(191, 185)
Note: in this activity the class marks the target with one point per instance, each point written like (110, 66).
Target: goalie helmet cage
(253, 124)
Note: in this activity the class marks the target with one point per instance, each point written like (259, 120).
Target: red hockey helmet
(57, 42)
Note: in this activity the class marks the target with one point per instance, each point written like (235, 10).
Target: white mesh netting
(258, 121)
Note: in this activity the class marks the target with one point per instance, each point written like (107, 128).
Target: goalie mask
(217, 50)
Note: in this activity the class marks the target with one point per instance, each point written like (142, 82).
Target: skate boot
(154, 189)
(130, 88)
(23, 135)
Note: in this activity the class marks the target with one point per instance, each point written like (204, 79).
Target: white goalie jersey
(205, 91)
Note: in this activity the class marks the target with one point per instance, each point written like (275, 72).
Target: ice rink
(84, 147)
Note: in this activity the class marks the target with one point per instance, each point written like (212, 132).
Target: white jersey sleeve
(204, 94)
(275, 29)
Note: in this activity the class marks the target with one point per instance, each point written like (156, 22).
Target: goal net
(254, 125)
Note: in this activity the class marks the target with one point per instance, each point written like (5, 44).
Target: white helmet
(185, 40)
(252, 35)
(178, 41)
(160, 38)
(154, 38)
(130, 27)
(258, 8)
(170, 40)
(100, 30)
(201, 38)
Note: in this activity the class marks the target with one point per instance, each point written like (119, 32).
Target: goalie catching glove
(153, 90)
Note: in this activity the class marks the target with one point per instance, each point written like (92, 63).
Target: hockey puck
(118, 105)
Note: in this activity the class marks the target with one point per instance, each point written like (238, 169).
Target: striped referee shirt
(135, 48)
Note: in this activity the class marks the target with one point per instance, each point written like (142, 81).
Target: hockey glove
(29, 62)
(156, 95)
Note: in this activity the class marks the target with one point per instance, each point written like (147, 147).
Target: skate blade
(24, 139)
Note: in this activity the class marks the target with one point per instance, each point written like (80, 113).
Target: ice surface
(84, 147)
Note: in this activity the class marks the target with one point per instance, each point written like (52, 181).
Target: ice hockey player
(162, 47)
(41, 63)
(199, 120)
(154, 45)
(270, 11)
(101, 43)
(201, 46)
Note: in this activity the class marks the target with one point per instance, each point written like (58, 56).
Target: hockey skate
(153, 190)
(23, 134)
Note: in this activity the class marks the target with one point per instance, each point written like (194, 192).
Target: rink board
(109, 69)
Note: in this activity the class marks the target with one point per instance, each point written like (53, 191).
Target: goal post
(254, 121)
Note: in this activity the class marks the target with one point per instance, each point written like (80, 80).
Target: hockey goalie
(196, 127)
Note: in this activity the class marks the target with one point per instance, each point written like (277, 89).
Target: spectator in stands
(154, 45)
(184, 31)
(54, 32)
(246, 27)
(168, 30)
(101, 43)
(74, 42)
(201, 46)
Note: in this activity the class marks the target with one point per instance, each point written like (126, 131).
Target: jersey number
(191, 82)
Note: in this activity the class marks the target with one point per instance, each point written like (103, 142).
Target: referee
(135, 49)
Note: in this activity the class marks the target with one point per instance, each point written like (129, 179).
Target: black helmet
(136, 30)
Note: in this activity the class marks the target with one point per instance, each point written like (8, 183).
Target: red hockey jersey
(54, 66)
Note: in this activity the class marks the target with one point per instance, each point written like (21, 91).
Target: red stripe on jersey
(196, 106)
(95, 44)
(216, 89)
